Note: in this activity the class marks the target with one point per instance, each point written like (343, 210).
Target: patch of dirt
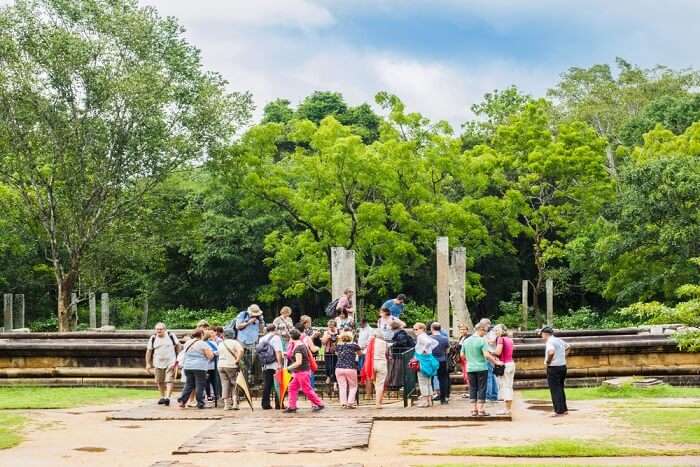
(130, 426)
(90, 449)
(436, 427)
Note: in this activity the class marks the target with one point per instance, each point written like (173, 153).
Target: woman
(305, 322)
(428, 364)
(346, 369)
(384, 323)
(504, 351)
(300, 369)
(375, 367)
(329, 341)
(344, 320)
(196, 357)
(400, 342)
(283, 323)
(212, 388)
(461, 360)
(230, 354)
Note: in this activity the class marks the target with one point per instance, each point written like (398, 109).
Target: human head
(401, 298)
(395, 325)
(219, 330)
(203, 324)
(286, 311)
(345, 337)
(160, 329)
(305, 320)
(385, 312)
(481, 328)
(435, 327)
(419, 328)
(197, 334)
(546, 332)
(463, 329)
(254, 310)
(294, 335)
(331, 323)
(500, 330)
(270, 328)
(363, 322)
(486, 323)
(344, 314)
(348, 293)
(208, 334)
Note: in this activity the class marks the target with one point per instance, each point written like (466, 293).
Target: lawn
(665, 425)
(10, 425)
(624, 392)
(61, 398)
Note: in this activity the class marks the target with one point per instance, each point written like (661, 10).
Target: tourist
(401, 342)
(329, 341)
(504, 352)
(212, 387)
(219, 334)
(440, 354)
(384, 323)
(461, 358)
(428, 364)
(346, 369)
(283, 323)
(250, 325)
(270, 350)
(477, 355)
(555, 354)
(491, 383)
(196, 355)
(345, 306)
(395, 305)
(306, 325)
(161, 355)
(300, 370)
(230, 355)
(375, 368)
(365, 332)
(344, 320)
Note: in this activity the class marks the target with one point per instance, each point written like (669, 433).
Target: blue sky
(439, 56)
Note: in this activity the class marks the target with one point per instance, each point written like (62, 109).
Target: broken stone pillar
(342, 271)
(550, 301)
(104, 310)
(19, 306)
(74, 308)
(92, 301)
(443, 287)
(524, 297)
(458, 273)
(7, 312)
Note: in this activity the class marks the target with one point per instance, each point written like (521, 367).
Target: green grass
(62, 398)
(665, 425)
(636, 464)
(567, 448)
(10, 425)
(624, 392)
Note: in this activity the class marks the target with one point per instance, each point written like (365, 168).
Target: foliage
(184, 318)
(10, 429)
(26, 398)
(49, 324)
(415, 313)
(511, 315)
(688, 341)
(556, 448)
(587, 318)
(674, 113)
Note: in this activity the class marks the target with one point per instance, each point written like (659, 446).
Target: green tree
(277, 111)
(99, 100)
(320, 105)
(675, 113)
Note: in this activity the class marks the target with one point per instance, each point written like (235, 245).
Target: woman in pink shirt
(504, 351)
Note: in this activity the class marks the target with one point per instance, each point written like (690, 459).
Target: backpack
(152, 341)
(265, 351)
(332, 308)
(230, 330)
(313, 365)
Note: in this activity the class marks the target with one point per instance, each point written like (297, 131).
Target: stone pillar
(144, 322)
(458, 272)
(342, 271)
(104, 309)
(74, 308)
(92, 301)
(7, 312)
(19, 306)
(443, 290)
(550, 301)
(526, 287)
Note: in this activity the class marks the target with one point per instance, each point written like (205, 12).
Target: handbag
(414, 365)
(499, 370)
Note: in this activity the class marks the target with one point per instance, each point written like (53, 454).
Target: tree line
(126, 166)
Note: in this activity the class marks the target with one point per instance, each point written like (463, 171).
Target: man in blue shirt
(440, 353)
(250, 325)
(395, 305)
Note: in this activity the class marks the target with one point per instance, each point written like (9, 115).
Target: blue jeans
(491, 385)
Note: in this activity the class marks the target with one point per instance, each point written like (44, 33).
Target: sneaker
(161, 401)
(318, 408)
(290, 410)
(443, 402)
(201, 406)
(166, 402)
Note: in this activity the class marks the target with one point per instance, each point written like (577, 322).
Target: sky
(438, 56)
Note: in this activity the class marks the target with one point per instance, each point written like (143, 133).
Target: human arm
(297, 361)
(490, 357)
(244, 323)
(567, 349)
(499, 347)
(149, 356)
(207, 352)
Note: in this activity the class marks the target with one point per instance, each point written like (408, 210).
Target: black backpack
(332, 308)
(266, 353)
(230, 330)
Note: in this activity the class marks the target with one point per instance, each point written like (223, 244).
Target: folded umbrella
(243, 384)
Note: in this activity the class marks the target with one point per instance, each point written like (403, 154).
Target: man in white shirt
(555, 361)
(269, 369)
(161, 354)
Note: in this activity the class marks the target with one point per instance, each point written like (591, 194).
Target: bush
(688, 341)
(47, 325)
(185, 318)
(511, 315)
(414, 313)
(586, 318)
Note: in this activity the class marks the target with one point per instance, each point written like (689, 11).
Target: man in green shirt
(476, 352)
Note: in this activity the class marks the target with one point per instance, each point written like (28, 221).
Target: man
(229, 353)
(395, 305)
(440, 353)
(345, 306)
(477, 354)
(555, 354)
(274, 341)
(161, 355)
(491, 381)
(250, 325)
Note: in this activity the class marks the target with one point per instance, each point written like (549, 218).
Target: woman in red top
(504, 350)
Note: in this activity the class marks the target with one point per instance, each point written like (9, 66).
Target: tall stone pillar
(7, 312)
(443, 290)
(526, 287)
(343, 273)
(104, 310)
(19, 306)
(92, 301)
(550, 301)
(74, 308)
(458, 273)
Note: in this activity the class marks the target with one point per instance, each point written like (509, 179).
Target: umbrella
(243, 384)
(282, 378)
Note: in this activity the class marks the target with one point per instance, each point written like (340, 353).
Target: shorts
(380, 372)
(164, 375)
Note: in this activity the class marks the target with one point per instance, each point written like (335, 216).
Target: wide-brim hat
(254, 310)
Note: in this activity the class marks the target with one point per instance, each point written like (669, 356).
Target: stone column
(74, 307)
(526, 287)
(349, 273)
(144, 321)
(549, 284)
(342, 271)
(93, 310)
(458, 272)
(19, 306)
(443, 290)
(104, 310)
(7, 312)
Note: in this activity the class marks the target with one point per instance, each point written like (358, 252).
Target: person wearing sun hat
(251, 326)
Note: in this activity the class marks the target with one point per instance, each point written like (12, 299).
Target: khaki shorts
(164, 375)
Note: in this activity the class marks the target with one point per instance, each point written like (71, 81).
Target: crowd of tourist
(213, 360)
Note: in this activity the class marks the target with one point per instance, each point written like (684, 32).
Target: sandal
(475, 413)
(484, 414)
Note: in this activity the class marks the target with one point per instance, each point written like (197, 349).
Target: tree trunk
(65, 284)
